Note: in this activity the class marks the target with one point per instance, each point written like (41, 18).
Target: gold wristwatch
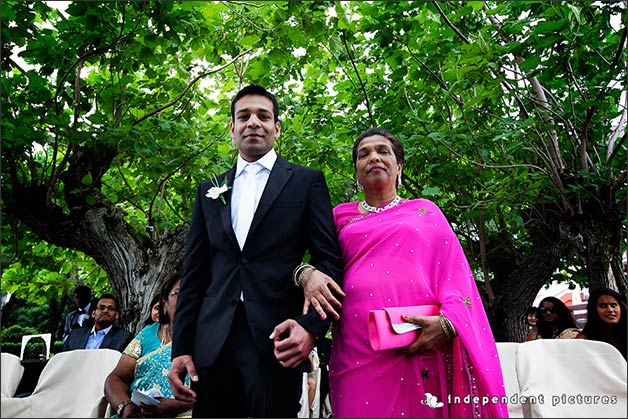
(122, 406)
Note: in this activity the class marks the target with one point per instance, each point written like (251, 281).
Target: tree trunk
(519, 274)
(595, 236)
(135, 264)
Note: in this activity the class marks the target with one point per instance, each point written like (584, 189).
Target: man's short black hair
(109, 297)
(255, 89)
(83, 290)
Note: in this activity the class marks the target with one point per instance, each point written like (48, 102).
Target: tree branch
(450, 24)
(84, 58)
(172, 173)
(621, 47)
(357, 74)
(188, 87)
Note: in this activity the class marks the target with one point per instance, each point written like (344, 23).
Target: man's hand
(180, 366)
(293, 343)
(322, 293)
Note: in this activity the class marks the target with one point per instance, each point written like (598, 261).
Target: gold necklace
(371, 208)
(166, 336)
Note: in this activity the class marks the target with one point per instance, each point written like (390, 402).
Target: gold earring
(358, 186)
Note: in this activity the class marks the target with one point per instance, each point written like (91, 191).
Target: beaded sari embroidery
(409, 255)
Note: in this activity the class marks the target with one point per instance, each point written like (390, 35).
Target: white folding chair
(507, 352)
(572, 378)
(71, 385)
(12, 371)
(314, 411)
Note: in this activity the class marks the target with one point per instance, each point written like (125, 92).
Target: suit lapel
(276, 181)
(225, 210)
(108, 338)
(87, 331)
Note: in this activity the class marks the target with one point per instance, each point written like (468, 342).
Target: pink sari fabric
(409, 255)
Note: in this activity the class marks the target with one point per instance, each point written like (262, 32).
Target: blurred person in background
(606, 319)
(555, 320)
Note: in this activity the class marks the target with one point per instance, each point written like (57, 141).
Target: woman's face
(171, 302)
(376, 164)
(608, 309)
(532, 319)
(154, 313)
(548, 312)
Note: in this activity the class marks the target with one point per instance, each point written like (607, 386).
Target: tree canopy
(512, 114)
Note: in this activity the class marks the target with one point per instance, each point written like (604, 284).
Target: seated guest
(533, 331)
(143, 363)
(153, 316)
(606, 319)
(555, 320)
(103, 334)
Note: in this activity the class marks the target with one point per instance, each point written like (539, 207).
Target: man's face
(253, 129)
(81, 299)
(105, 314)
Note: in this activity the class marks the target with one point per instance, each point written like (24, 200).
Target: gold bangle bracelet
(445, 327)
(299, 271)
(452, 329)
(121, 406)
(304, 271)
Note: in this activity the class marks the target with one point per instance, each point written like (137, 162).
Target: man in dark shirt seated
(103, 334)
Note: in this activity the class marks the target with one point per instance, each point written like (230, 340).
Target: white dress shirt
(95, 338)
(267, 161)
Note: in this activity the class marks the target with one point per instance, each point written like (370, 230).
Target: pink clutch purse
(388, 330)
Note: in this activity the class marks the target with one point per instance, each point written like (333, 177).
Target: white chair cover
(12, 371)
(572, 378)
(46, 338)
(71, 385)
(305, 411)
(507, 352)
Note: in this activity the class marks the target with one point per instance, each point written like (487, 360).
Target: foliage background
(511, 114)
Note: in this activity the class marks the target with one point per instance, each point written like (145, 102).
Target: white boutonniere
(217, 191)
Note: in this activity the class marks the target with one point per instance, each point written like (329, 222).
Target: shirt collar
(267, 161)
(105, 330)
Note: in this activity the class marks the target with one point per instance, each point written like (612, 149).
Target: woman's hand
(167, 408)
(322, 293)
(431, 338)
(131, 411)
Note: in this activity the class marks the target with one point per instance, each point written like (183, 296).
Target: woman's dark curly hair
(564, 321)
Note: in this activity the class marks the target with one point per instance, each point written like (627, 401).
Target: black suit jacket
(294, 215)
(116, 339)
(70, 320)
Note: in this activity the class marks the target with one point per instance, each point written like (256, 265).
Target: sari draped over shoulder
(152, 363)
(409, 255)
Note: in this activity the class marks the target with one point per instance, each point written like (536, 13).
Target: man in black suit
(81, 315)
(239, 330)
(103, 334)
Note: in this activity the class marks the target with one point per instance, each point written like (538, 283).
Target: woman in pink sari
(400, 253)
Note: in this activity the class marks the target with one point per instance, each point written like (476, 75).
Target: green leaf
(431, 191)
(530, 63)
(87, 179)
